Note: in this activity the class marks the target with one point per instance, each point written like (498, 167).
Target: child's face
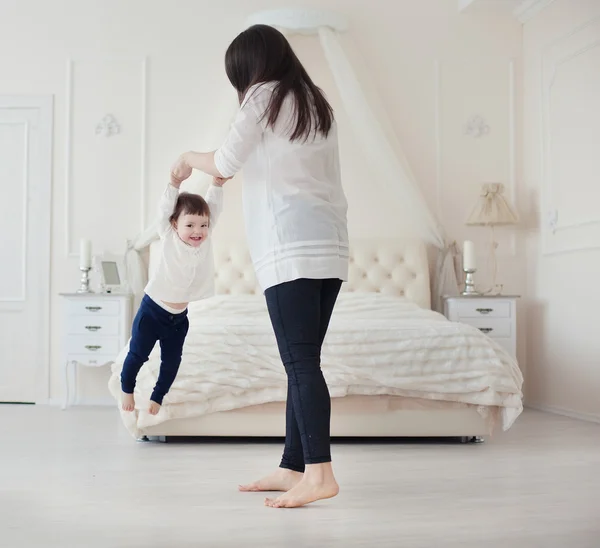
(192, 229)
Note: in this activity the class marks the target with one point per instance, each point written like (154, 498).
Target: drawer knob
(484, 310)
(486, 329)
(93, 308)
(93, 327)
(93, 347)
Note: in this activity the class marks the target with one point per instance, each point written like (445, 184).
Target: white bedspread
(375, 345)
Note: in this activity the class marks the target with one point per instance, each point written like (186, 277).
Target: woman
(285, 137)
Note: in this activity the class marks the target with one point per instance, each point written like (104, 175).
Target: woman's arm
(202, 161)
(244, 135)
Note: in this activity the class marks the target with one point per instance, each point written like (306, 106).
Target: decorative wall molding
(477, 127)
(69, 142)
(511, 145)
(438, 139)
(108, 126)
(528, 9)
(22, 297)
(557, 54)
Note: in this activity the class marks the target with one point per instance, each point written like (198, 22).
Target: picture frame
(112, 273)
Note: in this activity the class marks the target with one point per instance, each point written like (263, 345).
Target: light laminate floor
(76, 479)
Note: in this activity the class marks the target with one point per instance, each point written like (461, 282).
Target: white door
(25, 205)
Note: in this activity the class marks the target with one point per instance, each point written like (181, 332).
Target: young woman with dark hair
(285, 138)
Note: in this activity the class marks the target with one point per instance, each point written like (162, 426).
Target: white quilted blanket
(375, 345)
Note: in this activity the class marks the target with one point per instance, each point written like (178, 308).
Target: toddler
(185, 273)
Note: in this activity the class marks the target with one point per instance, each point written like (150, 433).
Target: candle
(85, 253)
(469, 262)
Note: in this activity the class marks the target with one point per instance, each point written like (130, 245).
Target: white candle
(469, 262)
(85, 253)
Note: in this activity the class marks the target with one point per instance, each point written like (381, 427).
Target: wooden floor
(76, 479)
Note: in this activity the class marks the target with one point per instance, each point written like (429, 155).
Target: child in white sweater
(185, 273)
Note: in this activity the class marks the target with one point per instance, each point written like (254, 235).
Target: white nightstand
(496, 316)
(96, 327)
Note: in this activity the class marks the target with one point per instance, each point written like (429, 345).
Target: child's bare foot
(127, 402)
(280, 480)
(318, 483)
(154, 408)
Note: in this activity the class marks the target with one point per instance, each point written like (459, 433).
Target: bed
(394, 367)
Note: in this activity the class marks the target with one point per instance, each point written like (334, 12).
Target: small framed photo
(112, 272)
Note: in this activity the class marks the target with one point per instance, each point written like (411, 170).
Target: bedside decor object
(112, 272)
(85, 264)
(96, 327)
(496, 316)
(469, 267)
(493, 209)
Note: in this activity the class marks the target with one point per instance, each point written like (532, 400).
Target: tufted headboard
(394, 267)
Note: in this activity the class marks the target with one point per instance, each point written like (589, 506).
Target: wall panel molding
(560, 237)
(22, 296)
(70, 87)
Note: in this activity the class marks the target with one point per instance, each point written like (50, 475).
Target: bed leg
(159, 439)
(471, 439)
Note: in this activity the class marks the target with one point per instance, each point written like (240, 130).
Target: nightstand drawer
(483, 308)
(494, 328)
(91, 360)
(94, 307)
(90, 346)
(99, 325)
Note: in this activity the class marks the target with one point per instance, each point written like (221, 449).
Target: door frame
(45, 105)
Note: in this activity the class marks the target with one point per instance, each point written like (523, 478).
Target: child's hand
(180, 171)
(220, 181)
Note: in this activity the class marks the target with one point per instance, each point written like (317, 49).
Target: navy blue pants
(300, 312)
(153, 323)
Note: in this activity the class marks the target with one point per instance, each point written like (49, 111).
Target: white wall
(562, 173)
(433, 69)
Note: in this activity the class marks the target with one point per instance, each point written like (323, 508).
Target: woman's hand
(220, 181)
(180, 171)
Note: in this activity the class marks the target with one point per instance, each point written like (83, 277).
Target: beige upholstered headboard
(394, 267)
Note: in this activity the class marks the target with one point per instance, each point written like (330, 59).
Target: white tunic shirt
(184, 273)
(294, 203)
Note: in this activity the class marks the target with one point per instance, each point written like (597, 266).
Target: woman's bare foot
(127, 402)
(280, 480)
(154, 408)
(318, 483)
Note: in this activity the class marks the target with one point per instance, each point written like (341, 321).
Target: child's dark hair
(262, 54)
(189, 204)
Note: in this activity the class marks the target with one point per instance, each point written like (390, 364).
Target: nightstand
(496, 316)
(96, 326)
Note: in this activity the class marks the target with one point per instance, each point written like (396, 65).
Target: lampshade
(492, 208)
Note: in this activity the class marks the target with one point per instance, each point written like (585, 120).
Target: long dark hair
(262, 54)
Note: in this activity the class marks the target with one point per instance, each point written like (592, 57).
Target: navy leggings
(300, 312)
(153, 323)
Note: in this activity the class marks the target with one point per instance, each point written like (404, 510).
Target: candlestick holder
(469, 282)
(85, 280)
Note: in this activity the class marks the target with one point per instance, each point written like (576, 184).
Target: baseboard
(83, 403)
(589, 417)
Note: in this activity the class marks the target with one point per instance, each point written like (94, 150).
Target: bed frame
(395, 267)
